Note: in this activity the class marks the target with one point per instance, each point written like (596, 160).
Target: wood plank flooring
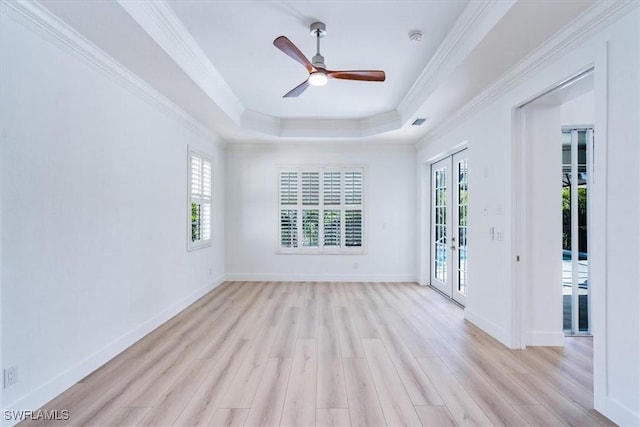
(332, 354)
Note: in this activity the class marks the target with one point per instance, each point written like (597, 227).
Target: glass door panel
(449, 212)
(576, 149)
(440, 260)
(460, 224)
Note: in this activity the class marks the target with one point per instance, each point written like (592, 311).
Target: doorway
(551, 191)
(449, 213)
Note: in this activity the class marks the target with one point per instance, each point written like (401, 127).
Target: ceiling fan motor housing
(318, 61)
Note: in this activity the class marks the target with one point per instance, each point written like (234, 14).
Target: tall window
(321, 210)
(199, 200)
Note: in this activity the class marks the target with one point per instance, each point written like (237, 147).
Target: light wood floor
(332, 354)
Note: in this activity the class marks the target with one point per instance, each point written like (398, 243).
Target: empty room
(320, 213)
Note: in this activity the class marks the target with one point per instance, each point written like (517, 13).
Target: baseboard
(487, 326)
(617, 412)
(268, 277)
(52, 388)
(545, 338)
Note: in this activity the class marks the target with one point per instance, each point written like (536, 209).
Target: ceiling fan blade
(285, 45)
(297, 90)
(366, 75)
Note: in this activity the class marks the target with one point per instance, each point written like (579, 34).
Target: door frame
(597, 213)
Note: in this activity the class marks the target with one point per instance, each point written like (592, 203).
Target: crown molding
(590, 22)
(319, 128)
(258, 122)
(40, 20)
(476, 21)
(323, 146)
(380, 123)
(161, 23)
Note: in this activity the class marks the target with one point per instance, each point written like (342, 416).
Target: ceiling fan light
(318, 78)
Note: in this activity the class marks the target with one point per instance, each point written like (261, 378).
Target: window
(199, 234)
(321, 210)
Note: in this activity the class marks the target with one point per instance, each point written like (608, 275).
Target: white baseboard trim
(268, 277)
(545, 338)
(488, 326)
(61, 382)
(617, 412)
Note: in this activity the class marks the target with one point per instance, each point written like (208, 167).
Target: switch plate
(10, 376)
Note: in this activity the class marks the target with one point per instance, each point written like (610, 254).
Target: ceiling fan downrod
(318, 30)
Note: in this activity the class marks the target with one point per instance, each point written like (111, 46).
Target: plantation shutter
(310, 188)
(288, 228)
(200, 199)
(332, 228)
(288, 209)
(331, 188)
(196, 176)
(353, 195)
(353, 188)
(321, 209)
(206, 200)
(288, 188)
(310, 217)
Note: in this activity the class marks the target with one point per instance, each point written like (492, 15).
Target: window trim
(202, 243)
(321, 250)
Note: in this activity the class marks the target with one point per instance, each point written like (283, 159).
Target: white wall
(252, 209)
(579, 111)
(488, 294)
(543, 227)
(94, 219)
(615, 53)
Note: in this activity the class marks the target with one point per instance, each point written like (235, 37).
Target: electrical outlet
(10, 376)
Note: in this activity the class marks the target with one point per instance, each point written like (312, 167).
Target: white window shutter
(196, 175)
(353, 188)
(321, 209)
(332, 219)
(206, 179)
(353, 227)
(331, 188)
(288, 188)
(289, 228)
(200, 198)
(310, 188)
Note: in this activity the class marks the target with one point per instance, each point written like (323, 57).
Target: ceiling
(238, 38)
(215, 59)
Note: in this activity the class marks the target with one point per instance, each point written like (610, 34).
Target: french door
(449, 196)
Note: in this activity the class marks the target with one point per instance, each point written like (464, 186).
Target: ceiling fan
(318, 73)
